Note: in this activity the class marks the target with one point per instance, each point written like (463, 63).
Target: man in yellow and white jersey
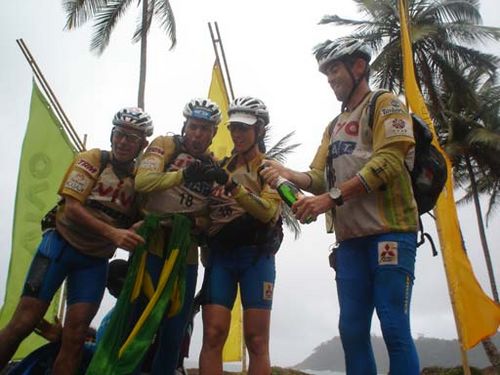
(173, 177)
(92, 220)
(360, 177)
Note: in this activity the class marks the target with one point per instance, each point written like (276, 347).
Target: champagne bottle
(288, 191)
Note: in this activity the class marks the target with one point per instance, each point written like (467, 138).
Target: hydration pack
(429, 172)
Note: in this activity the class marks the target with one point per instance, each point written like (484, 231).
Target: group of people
(357, 178)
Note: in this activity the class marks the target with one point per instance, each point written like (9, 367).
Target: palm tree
(473, 143)
(441, 32)
(107, 13)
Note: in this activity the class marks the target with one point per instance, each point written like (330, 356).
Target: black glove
(217, 174)
(195, 172)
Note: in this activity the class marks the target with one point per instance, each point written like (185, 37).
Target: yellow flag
(476, 315)
(222, 146)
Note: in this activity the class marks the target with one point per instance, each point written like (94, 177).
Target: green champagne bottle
(288, 191)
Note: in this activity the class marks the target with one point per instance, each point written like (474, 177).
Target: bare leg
(216, 320)
(78, 318)
(28, 314)
(256, 327)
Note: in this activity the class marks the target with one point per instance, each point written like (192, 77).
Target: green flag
(45, 156)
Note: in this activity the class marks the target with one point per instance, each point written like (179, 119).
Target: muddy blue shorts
(245, 265)
(56, 260)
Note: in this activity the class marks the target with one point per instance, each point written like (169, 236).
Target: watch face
(335, 193)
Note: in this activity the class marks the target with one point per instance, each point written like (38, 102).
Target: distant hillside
(432, 352)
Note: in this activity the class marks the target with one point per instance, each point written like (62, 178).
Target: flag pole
(463, 352)
(49, 94)
(217, 40)
(68, 128)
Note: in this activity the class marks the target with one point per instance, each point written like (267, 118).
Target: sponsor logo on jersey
(268, 291)
(395, 127)
(201, 187)
(77, 181)
(350, 128)
(150, 164)
(156, 150)
(87, 167)
(392, 110)
(388, 253)
(119, 194)
(339, 148)
(181, 161)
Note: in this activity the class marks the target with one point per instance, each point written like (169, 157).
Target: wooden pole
(68, 128)
(217, 41)
(49, 94)
(463, 353)
(224, 61)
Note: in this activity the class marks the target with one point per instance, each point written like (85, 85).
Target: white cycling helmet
(134, 118)
(248, 110)
(329, 51)
(203, 109)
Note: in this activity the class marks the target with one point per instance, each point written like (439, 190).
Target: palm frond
(340, 21)
(105, 21)
(492, 202)
(165, 15)
(290, 221)
(140, 28)
(279, 152)
(80, 11)
(281, 149)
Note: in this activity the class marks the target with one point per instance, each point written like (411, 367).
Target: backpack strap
(332, 124)
(177, 139)
(372, 104)
(104, 160)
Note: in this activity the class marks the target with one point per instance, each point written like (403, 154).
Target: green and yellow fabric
(121, 350)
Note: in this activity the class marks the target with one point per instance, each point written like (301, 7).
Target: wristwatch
(336, 195)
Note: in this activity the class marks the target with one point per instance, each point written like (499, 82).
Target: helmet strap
(355, 84)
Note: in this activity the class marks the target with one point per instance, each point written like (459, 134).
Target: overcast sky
(268, 47)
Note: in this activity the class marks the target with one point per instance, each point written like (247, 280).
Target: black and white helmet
(203, 109)
(134, 118)
(329, 51)
(240, 109)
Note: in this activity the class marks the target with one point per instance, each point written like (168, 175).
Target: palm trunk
(144, 49)
(480, 225)
(488, 345)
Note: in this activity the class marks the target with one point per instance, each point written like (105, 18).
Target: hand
(270, 170)
(217, 174)
(195, 172)
(136, 225)
(126, 239)
(310, 207)
(219, 192)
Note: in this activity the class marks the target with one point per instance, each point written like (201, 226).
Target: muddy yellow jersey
(377, 156)
(84, 183)
(252, 195)
(159, 176)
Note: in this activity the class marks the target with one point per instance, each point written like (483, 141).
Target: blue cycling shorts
(56, 260)
(245, 265)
